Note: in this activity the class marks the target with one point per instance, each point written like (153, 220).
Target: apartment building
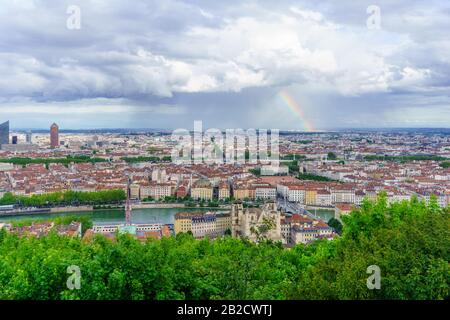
(203, 224)
(265, 191)
(241, 192)
(342, 209)
(183, 222)
(159, 175)
(296, 194)
(223, 223)
(156, 190)
(310, 197)
(305, 230)
(342, 195)
(202, 190)
(224, 191)
(323, 198)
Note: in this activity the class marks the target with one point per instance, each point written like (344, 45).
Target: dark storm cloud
(166, 63)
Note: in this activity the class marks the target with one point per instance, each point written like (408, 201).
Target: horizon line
(281, 130)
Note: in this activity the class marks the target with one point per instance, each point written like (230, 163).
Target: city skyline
(287, 65)
(247, 152)
(189, 127)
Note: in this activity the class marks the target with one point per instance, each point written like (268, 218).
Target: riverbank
(81, 209)
(34, 211)
(157, 205)
(114, 216)
(71, 209)
(174, 205)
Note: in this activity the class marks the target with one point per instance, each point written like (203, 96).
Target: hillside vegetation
(409, 241)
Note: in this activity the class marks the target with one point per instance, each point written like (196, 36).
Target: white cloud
(152, 50)
(86, 107)
(271, 49)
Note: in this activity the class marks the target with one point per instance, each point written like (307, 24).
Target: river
(324, 214)
(148, 215)
(102, 217)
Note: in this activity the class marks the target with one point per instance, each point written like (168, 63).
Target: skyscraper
(4, 133)
(54, 136)
(14, 139)
(29, 137)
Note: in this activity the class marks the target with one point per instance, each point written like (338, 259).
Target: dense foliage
(336, 225)
(310, 176)
(66, 161)
(404, 158)
(256, 171)
(409, 241)
(331, 156)
(146, 159)
(445, 164)
(292, 156)
(64, 198)
(293, 167)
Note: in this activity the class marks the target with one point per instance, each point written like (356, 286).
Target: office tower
(54, 136)
(4, 133)
(14, 139)
(29, 137)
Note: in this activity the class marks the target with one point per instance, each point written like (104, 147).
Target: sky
(300, 65)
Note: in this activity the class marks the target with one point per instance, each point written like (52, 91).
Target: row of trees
(408, 241)
(147, 159)
(189, 201)
(66, 161)
(404, 158)
(292, 156)
(64, 198)
(445, 164)
(310, 176)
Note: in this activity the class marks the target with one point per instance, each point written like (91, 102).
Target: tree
(409, 241)
(65, 198)
(261, 230)
(336, 225)
(331, 156)
(8, 199)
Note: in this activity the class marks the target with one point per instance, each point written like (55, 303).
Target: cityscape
(319, 176)
(224, 151)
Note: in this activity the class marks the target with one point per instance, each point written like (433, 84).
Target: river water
(324, 214)
(148, 215)
(102, 217)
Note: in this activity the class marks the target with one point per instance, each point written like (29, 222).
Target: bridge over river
(323, 214)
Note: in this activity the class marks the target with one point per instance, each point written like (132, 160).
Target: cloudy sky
(263, 64)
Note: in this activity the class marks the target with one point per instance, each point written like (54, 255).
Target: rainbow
(296, 109)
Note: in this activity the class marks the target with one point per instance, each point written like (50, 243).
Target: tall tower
(4, 133)
(54, 136)
(29, 137)
(128, 204)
